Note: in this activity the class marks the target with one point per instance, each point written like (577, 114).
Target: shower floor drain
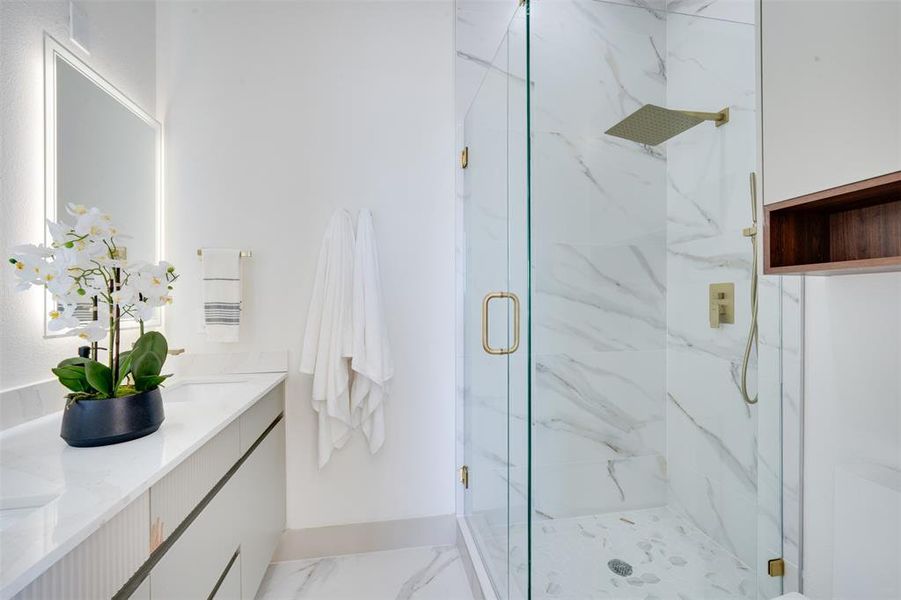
(620, 567)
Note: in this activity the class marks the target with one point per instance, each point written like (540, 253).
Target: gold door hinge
(776, 567)
(464, 157)
(464, 476)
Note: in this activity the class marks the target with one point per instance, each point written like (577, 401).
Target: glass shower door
(495, 298)
(652, 475)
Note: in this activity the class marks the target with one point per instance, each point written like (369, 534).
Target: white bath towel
(328, 341)
(221, 293)
(372, 364)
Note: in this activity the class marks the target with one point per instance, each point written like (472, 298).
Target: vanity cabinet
(207, 529)
(228, 514)
(236, 532)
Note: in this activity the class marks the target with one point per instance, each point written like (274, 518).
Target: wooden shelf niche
(854, 228)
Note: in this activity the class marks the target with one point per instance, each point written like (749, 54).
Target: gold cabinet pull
(485, 344)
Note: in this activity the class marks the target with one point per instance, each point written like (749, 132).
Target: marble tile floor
(426, 573)
(669, 557)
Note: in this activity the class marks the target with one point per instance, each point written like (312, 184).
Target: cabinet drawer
(230, 586)
(176, 495)
(260, 416)
(194, 563)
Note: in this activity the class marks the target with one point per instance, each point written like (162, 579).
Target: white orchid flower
(150, 283)
(62, 286)
(78, 268)
(61, 233)
(76, 210)
(93, 331)
(144, 310)
(125, 295)
(63, 320)
(94, 223)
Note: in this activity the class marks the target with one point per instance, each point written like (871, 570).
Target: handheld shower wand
(751, 232)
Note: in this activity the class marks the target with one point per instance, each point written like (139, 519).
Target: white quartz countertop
(52, 496)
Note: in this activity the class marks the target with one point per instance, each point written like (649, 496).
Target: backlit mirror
(102, 150)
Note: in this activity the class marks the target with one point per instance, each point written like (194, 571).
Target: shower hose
(751, 232)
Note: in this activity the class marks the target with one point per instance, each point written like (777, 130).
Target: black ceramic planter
(89, 423)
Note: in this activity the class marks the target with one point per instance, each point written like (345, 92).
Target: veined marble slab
(56, 496)
(432, 572)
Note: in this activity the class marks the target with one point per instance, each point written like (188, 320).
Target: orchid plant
(86, 263)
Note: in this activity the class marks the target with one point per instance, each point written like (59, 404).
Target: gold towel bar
(242, 253)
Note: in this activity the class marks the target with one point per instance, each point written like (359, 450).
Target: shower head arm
(720, 118)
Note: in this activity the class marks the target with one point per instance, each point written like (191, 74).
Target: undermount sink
(197, 389)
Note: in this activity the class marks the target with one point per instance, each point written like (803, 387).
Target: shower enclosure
(608, 449)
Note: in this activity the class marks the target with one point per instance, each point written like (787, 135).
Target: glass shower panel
(650, 473)
(496, 385)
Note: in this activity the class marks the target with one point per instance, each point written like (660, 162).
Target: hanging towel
(328, 341)
(372, 363)
(221, 293)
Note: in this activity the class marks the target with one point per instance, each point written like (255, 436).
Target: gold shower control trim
(722, 304)
(486, 346)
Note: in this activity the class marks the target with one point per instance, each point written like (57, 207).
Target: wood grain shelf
(854, 228)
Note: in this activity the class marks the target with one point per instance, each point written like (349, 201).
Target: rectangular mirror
(102, 150)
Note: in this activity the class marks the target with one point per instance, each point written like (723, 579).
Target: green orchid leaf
(152, 342)
(146, 364)
(100, 377)
(75, 361)
(73, 378)
(143, 367)
(147, 383)
(124, 366)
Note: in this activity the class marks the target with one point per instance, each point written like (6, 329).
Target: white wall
(123, 50)
(832, 115)
(275, 115)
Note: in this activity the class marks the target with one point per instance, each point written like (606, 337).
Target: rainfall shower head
(652, 125)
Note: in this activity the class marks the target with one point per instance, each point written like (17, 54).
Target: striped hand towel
(222, 293)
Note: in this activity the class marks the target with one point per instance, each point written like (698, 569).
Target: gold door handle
(485, 344)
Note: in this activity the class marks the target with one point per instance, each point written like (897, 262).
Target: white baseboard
(337, 540)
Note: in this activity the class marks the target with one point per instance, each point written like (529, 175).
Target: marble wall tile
(707, 421)
(598, 252)
(568, 490)
(599, 298)
(712, 438)
(593, 63)
(595, 190)
(480, 25)
(742, 11)
(596, 407)
(722, 512)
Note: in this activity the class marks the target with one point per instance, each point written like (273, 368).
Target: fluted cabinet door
(261, 512)
(101, 564)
